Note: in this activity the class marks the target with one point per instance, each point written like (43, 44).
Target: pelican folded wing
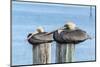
(74, 36)
(40, 38)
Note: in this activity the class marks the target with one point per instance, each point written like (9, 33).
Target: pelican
(38, 37)
(70, 34)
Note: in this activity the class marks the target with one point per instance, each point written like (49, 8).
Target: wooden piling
(64, 52)
(42, 53)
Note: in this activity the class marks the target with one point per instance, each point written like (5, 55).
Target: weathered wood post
(41, 46)
(64, 52)
(42, 53)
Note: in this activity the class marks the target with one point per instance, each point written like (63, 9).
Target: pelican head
(70, 26)
(40, 29)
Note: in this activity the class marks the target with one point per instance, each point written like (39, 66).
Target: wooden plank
(64, 52)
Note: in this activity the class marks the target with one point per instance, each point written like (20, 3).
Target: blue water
(27, 16)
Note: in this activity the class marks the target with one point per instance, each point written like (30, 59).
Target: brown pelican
(70, 34)
(38, 37)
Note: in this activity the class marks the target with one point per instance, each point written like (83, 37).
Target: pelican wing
(42, 36)
(75, 35)
(57, 37)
